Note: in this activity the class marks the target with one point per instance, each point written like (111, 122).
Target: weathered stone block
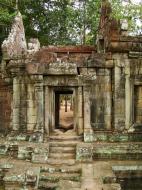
(31, 127)
(40, 158)
(40, 154)
(15, 44)
(14, 178)
(84, 152)
(25, 152)
(88, 135)
(3, 149)
(121, 151)
(36, 137)
(32, 176)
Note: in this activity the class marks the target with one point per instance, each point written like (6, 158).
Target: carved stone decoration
(84, 152)
(15, 45)
(62, 68)
(33, 45)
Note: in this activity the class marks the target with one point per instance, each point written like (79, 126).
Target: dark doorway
(131, 184)
(64, 113)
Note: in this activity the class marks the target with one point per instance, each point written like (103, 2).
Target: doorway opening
(64, 110)
(132, 183)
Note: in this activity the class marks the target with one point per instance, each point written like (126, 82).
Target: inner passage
(131, 183)
(64, 113)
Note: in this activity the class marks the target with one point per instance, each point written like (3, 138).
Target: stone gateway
(71, 116)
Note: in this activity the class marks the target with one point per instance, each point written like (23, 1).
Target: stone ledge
(101, 151)
(109, 136)
(25, 150)
(129, 171)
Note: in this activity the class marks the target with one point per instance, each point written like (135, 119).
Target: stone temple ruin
(101, 86)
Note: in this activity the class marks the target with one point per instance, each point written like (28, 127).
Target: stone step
(66, 138)
(63, 144)
(56, 177)
(61, 161)
(71, 185)
(75, 188)
(47, 185)
(62, 149)
(67, 184)
(62, 169)
(62, 155)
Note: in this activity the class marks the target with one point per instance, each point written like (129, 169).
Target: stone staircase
(60, 177)
(62, 150)
(62, 163)
(62, 172)
(50, 165)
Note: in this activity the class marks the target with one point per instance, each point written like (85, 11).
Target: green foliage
(63, 22)
(5, 17)
(50, 21)
(7, 12)
(130, 11)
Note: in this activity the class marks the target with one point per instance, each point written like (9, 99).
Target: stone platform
(62, 163)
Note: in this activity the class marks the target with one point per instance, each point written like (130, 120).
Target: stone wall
(138, 104)
(5, 107)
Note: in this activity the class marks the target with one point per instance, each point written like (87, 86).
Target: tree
(51, 21)
(131, 11)
(63, 22)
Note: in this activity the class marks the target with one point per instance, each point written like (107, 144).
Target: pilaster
(108, 101)
(119, 96)
(47, 110)
(128, 96)
(31, 108)
(16, 104)
(23, 104)
(88, 132)
(80, 110)
(39, 97)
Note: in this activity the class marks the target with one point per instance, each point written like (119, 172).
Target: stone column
(128, 96)
(47, 109)
(16, 104)
(88, 132)
(39, 95)
(108, 99)
(31, 108)
(52, 109)
(75, 110)
(80, 111)
(117, 75)
(119, 97)
(11, 104)
(23, 104)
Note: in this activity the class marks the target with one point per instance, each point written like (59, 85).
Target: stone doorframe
(50, 107)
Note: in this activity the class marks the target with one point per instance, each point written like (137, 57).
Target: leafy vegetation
(63, 22)
(132, 12)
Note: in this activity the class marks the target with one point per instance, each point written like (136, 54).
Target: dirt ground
(66, 118)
